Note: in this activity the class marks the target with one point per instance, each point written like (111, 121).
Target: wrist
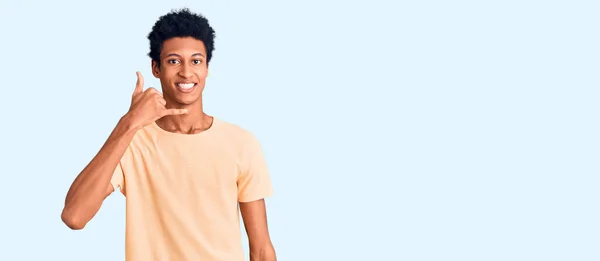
(128, 123)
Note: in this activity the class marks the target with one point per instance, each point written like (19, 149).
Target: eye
(173, 61)
(197, 61)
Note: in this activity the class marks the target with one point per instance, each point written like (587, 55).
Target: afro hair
(181, 23)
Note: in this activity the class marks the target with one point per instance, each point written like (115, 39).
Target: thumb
(139, 85)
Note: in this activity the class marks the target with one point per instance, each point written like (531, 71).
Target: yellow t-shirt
(182, 192)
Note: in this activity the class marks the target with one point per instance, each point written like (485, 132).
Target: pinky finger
(175, 111)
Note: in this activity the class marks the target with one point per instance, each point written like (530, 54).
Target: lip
(185, 90)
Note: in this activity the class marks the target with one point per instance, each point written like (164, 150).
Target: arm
(92, 185)
(254, 215)
(254, 184)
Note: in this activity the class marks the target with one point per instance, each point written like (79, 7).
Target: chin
(186, 100)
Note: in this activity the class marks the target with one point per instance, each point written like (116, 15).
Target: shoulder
(234, 132)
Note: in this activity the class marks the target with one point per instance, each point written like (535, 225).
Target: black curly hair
(181, 23)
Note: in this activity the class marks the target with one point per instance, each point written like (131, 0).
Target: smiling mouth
(186, 86)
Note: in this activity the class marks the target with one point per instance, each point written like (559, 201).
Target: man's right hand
(148, 106)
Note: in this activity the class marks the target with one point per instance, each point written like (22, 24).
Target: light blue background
(420, 130)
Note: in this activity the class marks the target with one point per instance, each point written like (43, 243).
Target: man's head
(181, 46)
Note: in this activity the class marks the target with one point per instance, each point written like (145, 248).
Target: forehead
(184, 46)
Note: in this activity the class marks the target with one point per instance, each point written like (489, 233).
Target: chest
(183, 169)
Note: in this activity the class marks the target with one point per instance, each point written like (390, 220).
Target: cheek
(166, 72)
(202, 74)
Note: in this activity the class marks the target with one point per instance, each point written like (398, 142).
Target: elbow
(72, 221)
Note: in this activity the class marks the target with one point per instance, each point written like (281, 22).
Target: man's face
(183, 70)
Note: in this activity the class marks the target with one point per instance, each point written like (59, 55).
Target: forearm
(263, 253)
(255, 221)
(92, 185)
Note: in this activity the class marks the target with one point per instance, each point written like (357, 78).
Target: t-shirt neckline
(175, 134)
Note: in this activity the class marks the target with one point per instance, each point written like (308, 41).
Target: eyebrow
(177, 55)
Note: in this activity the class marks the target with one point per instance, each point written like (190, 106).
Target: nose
(186, 71)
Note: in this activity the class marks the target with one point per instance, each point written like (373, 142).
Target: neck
(195, 121)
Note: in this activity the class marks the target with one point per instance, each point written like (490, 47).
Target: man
(184, 173)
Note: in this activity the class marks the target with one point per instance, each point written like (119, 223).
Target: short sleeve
(254, 181)
(118, 179)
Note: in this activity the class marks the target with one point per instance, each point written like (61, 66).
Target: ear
(155, 69)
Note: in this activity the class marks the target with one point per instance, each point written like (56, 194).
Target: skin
(181, 60)
(255, 223)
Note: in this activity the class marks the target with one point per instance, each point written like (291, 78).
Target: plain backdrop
(399, 130)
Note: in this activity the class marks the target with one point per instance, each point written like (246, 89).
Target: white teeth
(186, 85)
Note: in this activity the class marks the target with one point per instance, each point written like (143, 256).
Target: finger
(175, 112)
(139, 86)
(152, 90)
(161, 101)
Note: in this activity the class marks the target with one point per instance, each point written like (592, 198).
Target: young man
(184, 173)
